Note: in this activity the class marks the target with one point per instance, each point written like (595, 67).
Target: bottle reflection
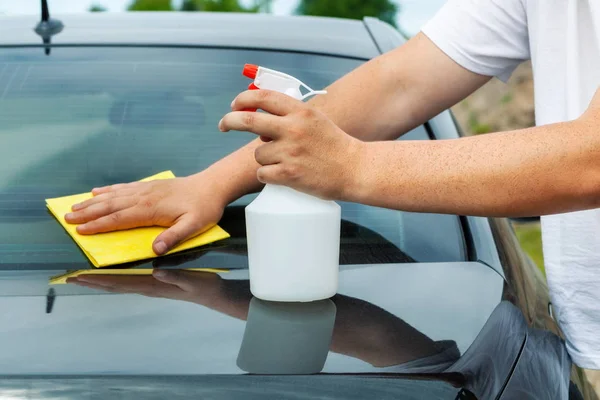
(287, 338)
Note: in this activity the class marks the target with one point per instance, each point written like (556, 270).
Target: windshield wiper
(48, 27)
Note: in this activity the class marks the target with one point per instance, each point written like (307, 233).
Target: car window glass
(87, 117)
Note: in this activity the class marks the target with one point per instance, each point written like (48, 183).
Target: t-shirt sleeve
(488, 37)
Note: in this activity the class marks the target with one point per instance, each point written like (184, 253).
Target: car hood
(378, 308)
(228, 388)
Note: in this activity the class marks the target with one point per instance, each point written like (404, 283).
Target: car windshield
(90, 116)
(87, 117)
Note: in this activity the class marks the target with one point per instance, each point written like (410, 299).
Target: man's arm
(543, 170)
(381, 100)
(537, 171)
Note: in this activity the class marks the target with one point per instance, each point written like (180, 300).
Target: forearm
(372, 334)
(397, 91)
(381, 100)
(234, 175)
(537, 171)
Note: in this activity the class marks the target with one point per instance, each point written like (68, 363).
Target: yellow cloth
(105, 249)
(62, 279)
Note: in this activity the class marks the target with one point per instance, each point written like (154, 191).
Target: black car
(429, 307)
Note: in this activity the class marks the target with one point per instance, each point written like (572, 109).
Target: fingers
(265, 125)
(129, 218)
(93, 200)
(274, 174)
(270, 101)
(183, 229)
(100, 209)
(268, 153)
(89, 285)
(144, 285)
(188, 281)
(104, 197)
(112, 188)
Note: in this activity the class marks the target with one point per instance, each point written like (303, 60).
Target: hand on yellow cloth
(120, 247)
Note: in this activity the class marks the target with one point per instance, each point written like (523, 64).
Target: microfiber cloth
(62, 279)
(112, 248)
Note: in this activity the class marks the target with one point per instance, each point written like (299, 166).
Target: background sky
(414, 12)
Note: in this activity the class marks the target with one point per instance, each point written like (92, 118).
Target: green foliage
(530, 237)
(507, 98)
(385, 10)
(97, 8)
(150, 5)
(475, 126)
(481, 129)
(225, 6)
(473, 120)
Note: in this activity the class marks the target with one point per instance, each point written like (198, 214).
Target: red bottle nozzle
(250, 71)
(252, 86)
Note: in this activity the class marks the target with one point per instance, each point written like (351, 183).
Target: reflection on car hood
(386, 317)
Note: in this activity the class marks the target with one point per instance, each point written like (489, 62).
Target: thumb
(185, 280)
(183, 229)
(172, 276)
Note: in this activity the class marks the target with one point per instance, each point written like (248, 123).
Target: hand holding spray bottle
(293, 237)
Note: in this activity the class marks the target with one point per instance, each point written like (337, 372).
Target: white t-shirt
(492, 37)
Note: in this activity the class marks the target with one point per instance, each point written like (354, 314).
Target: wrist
(355, 185)
(208, 181)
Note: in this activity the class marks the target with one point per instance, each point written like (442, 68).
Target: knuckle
(290, 171)
(295, 151)
(147, 203)
(248, 119)
(297, 129)
(263, 95)
(115, 217)
(108, 206)
(306, 113)
(295, 172)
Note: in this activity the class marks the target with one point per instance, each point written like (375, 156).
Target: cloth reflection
(361, 330)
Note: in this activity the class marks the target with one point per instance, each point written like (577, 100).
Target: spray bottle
(293, 237)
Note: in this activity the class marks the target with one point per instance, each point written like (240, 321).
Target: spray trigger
(265, 78)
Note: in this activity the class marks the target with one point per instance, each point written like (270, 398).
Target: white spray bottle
(293, 238)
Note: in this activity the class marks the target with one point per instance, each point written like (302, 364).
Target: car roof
(348, 38)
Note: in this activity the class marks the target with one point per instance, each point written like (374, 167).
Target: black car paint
(533, 361)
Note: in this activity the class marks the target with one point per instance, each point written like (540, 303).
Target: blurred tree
(385, 10)
(97, 8)
(225, 5)
(264, 5)
(150, 5)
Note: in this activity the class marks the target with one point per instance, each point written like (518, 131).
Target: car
(429, 306)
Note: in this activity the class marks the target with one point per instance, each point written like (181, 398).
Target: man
(337, 146)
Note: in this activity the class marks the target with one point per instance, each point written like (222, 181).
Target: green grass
(507, 98)
(480, 129)
(530, 236)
